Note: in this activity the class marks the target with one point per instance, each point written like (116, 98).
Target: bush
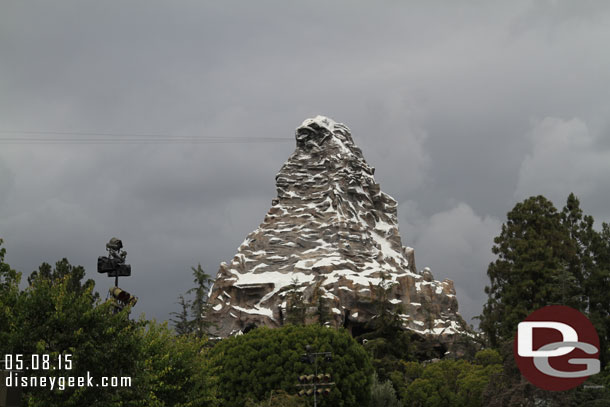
(383, 394)
(451, 383)
(250, 366)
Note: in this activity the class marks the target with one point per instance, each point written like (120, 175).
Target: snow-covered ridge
(330, 231)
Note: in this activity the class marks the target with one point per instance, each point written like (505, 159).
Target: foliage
(547, 257)
(8, 276)
(382, 394)
(9, 293)
(171, 370)
(199, 307)
(63, 269)
(451, 382)
(387, 342)
(181, 319)
(591, 266)
(295, 308)
(279, 399)
(59, 315)
(250, 366)
(534, 250)
(322, 311)
(488, 357)
(509, 388)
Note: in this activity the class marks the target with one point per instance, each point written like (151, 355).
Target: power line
(82, 133)
(42, 137)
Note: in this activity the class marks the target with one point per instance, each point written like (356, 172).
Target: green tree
(487, 357)
(8, 276)
(508, 387)
(457, 383)
(322, 312)
(199, 306)
(58, 315)
(181, 319)
(250, 366)
(295, 306)
(279, 399)
(387, 342)
(63, 269)
(597, 283)
(547, 257)
(9, 294)
(171, 370)
(534, 252)
(383, 394)
(591, 267)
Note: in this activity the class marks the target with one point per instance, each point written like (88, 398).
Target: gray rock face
(334, 232)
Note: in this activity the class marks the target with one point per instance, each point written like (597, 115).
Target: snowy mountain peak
(330, 232)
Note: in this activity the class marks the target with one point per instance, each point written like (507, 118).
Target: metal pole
(315, 393)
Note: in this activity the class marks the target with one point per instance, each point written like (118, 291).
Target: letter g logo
(553, 344)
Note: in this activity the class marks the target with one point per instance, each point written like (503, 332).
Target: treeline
(59, 314)
(544, 257)
(547, 257)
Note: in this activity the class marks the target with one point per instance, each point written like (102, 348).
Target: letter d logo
(525, 338)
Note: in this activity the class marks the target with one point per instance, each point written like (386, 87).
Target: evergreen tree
(536, 261)
(597, 284)
(295, 306)
(581, 264)
(591, 266)
(8, 276)
(387, 342)
(322, 313)
(199, 306)
(9, 295)
(181, 319)
(383, 394)
(544, 258)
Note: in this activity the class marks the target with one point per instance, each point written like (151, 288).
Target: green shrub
(250, 366)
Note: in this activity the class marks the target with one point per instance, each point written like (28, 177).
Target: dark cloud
(463, 108)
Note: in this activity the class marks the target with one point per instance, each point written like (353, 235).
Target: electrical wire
(42, 137)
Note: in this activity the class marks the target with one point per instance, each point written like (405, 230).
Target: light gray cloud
(566, 157)
(7, 183)
(455, 244)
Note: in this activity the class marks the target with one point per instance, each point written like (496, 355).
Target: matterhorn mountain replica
(330, 235)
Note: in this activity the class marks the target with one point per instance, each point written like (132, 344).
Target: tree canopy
(547, 257)
(252, 365)
(59, 315)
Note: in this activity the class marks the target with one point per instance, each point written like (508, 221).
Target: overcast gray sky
(464, 108)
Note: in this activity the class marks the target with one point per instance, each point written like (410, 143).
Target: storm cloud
(464, 108)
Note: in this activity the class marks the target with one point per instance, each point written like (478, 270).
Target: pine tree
(596, 288)
(181, 319)
(322, 313)
(386, 340)
(199, 306)
(295, 307)
(591, 267)
(536, 266)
